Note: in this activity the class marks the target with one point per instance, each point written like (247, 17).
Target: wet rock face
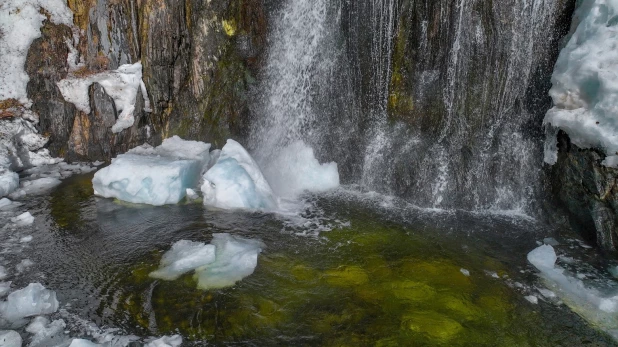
(587, 191)
(199, 59)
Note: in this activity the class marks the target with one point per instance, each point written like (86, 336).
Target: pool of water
(385, 274)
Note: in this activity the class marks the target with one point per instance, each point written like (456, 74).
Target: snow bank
(122, 85)
(236, 182)
(20, 25)
(33, 300)
(155, 176)
(598, 308)
(585, 81)
(296, 170)
(227, 260)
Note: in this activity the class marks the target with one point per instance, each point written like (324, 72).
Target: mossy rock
(436, 327)
(441, 273)
(346, 276)
(411, 291)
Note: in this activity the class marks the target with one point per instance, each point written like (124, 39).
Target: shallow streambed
(385, 275)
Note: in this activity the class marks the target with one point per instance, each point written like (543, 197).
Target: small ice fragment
(533, 299)
(30, 301)
(25, 239)
(191, 194)
(10, 338)
(547, 293)
(24, 265)
(83, 343)
(3, 273)
(5, 287)
(492, 274)
(23, 219)
(166, 341)
(543, 257)
(46, 333)
(4, 202)
(581, 276)
(465, 272)
(551, 241)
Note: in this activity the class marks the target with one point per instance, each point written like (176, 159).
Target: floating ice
(24, 265)
(26, 239)
(35, 187)
(122, 85)
(236, 182)
(5, 287)
(596, 307)
(585, 83)
(166, 341)
(10, 338)
(46, 333)
(83, 343)
(23, 219)
(9, 181)
(33, 300)
(3, 273)
(236, 258)
(227, 260)
(20, 24)
(154, 176)
(295, 170)
(543, 257)
(184, 256)
(5, 203)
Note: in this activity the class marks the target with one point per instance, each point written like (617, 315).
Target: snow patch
(585, 81)
(122, 85)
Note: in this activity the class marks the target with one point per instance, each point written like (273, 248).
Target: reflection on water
(386, 276)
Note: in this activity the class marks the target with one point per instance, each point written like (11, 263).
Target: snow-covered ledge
(585, 83)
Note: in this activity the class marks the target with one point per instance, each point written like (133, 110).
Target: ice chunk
(5, 203)
(10, 338)
(191, 194)
(184, 256)
(588, 302)
(464, 272)
(532, 299)
(46, 333)
(236, 258)
(295, 170)
(122, 85)
(30, 301)
(585, 88)
(166, 341)
(155, 176)
(5, 287)
(236, 182)
(227, 260)
(23, 219)
(543, 257)
(9, 182)
(26, 239)
(83, 343)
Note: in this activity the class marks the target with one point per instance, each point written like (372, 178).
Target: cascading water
(437, 102)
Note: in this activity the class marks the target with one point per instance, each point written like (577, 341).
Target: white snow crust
(227, 260)
(122, 85)
(585, 82)
(154, 176)
(20, 25)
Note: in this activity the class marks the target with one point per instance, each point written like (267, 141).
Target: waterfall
(439, 102)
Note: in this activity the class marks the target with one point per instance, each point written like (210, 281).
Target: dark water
(386, 275)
